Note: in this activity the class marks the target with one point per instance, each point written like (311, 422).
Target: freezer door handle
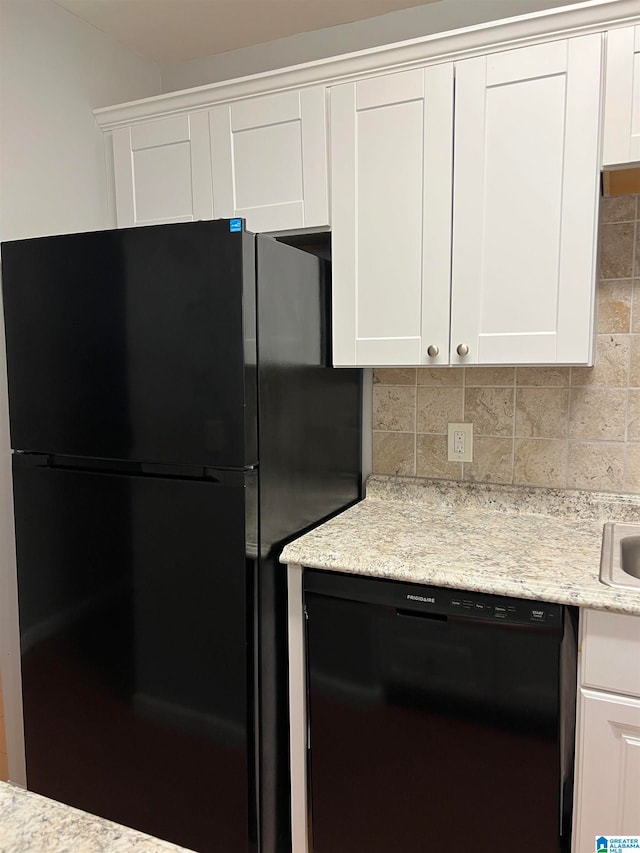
(116, 467)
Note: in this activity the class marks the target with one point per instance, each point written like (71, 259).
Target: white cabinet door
(525, 204)
(391, 150)
(270, 160)
(608, 768)
(622, 97)
(163, 171)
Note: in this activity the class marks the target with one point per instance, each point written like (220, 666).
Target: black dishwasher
(438, 719)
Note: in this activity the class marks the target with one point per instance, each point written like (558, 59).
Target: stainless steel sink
(620, 557)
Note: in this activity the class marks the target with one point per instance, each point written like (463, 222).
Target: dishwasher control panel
(502, 609)
(418, 600)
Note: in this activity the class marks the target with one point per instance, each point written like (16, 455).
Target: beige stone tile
(492, 461)
(394, 408)
(541, 462)
(636, 266)
(596, 465)
(490, 410)
(633, 415)
(611, 368)
(431, 458)
(634, 367)
(597, 414)
(635, 305)
(632, 469)
(616, 250)
(474, 376)
(394, 376)
(394, 453)
(438, 407)
(538, 376)
(618, 209)
(614, 307)
(542, 412)
(440, 376)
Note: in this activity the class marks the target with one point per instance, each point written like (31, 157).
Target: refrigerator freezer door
(134, 344)
(133, 595)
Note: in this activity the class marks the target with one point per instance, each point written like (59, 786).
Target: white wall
(346, 38)
(54, 69)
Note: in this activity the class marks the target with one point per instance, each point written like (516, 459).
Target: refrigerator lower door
(133, 595)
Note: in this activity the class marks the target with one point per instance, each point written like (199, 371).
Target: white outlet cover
(467, 433)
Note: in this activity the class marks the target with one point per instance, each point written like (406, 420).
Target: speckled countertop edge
(574, 505)
(30, 823)
(519, 541)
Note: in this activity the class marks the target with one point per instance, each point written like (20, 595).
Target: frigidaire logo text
(421, 598)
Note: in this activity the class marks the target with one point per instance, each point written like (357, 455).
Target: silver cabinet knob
(462, 349)
(433, 351)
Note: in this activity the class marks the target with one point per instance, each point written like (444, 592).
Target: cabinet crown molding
(562, 22)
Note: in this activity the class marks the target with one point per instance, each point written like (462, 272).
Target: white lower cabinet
(607, 783)
(622, 98)
(162, 171)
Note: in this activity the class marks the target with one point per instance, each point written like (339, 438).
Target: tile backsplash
(559, 427)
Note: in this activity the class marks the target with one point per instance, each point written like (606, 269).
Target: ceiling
(169, 31)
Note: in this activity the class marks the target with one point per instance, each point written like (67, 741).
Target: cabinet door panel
(391, 154)
(389, 143)
(608, 770)
(622, 97)
(525, 204)
(163, 171)
(269, 160)
(257, 187)
(611, 652)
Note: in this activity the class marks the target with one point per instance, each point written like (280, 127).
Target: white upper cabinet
(526, 192)
(391, 159)
(162, 171)
(517, 268)
(622, 97)
(269, 159)
(464, 193)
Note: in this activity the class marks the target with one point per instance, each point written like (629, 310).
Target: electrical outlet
(460, 443)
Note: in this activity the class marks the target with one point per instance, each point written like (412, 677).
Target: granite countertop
(30, 823)
(524, 542)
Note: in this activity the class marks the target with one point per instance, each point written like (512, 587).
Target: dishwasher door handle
(421, 615)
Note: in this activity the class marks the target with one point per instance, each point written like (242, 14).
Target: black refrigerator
(174, 420)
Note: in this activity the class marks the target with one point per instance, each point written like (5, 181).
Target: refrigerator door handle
(114, 467)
